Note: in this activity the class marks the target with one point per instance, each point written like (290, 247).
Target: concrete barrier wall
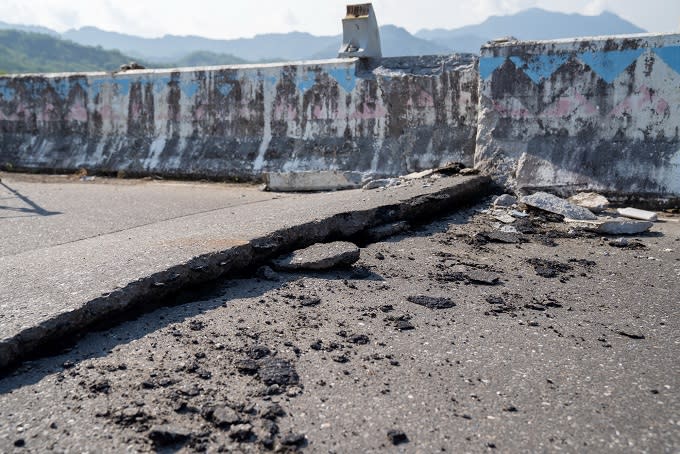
(397, 116)
(598, 114)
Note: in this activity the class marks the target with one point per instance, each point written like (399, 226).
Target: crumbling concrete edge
(209, 267)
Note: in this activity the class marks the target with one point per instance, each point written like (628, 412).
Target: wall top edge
(414, 65)
(165, 71)
(639, 40)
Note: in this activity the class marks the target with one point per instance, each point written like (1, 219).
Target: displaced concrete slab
(320, 256)
(634, 213)
(56, 291)
(614, 226)
(590, 200)
(554, 204)
(312, 181)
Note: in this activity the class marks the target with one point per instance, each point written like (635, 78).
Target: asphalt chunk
(166, 435)
(548, 268)
(274, 371)
(431, 302)
(397, 437)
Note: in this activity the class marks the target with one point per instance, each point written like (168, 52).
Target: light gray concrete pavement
(39, 211)
(119, 245)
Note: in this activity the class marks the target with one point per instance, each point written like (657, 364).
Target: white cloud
(227, 19)
(595, 7)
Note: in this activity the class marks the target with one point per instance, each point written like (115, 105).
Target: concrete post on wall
(597, 114)
(397, 116)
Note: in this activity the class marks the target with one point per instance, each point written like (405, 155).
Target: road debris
(431, 302)
(320, 256)
(635, 213)
(382, 183)
(397, 437)
(553, 204)
(505, 200)
(590, 200)
(614, 226)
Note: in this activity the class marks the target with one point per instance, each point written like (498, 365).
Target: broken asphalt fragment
(165, 435)
(634, 213)
(397, 437)
(505, 218)
(382, 183)
(431, 302)
(557, 205)
(277, 371)
(481, 278)
(500, 237)
(449, 169)
(611, 226)
(505, 200)
(630, 335)
(591, 201)
(320, 256)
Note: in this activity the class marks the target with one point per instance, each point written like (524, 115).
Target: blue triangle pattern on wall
(488, 65)
(306, 81)
(344, 77)
(539, 67)
(670, 55)
(609, 65)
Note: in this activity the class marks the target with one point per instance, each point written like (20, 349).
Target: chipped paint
(540, 67)
(610, 65)
(487, 65)
(240, 121)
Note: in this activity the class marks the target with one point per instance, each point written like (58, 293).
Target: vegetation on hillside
(22, 52)
(25, 52)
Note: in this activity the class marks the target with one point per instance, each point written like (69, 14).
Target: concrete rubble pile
(579, 212)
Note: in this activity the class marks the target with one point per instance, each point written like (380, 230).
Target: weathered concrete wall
(398, 116)
(600, 114)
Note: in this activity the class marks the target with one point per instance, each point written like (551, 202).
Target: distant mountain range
(530, 24)
(172, 50)
(29, 28)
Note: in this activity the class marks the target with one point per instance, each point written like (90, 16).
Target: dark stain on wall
(388, 116)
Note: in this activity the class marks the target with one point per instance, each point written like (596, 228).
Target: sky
(228, 19)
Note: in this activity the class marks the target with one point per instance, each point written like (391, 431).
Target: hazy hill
(281, 46)
(22, 52)
(205, 58)
(396, 41)
(534, 23)
(28, 28)
(25, 52)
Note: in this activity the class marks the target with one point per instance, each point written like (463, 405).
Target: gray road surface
(559, 342)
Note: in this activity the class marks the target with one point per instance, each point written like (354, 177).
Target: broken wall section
(389, 118)
(598, 114)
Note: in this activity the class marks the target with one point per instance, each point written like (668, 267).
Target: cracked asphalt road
(446, 338)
